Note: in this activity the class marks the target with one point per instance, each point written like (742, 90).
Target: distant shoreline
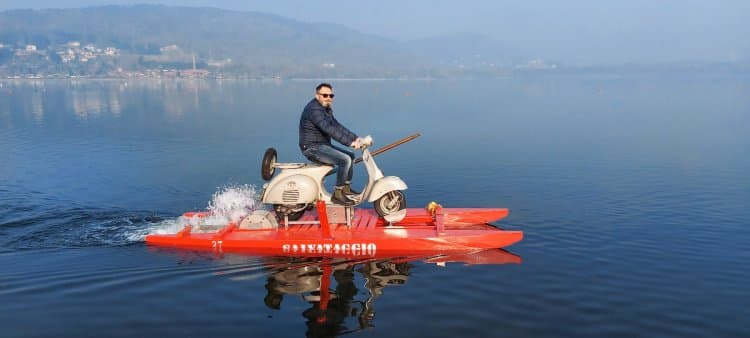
(515, 75)
(93, 78)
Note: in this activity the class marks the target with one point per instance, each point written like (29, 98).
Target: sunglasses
(325, 96)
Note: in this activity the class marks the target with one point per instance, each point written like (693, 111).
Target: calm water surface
(632, 191)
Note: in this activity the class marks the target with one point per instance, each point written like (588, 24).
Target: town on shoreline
(74, 59)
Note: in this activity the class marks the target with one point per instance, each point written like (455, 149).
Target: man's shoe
(340, 198)
(349, 191)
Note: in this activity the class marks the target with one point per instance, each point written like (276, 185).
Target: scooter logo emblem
(291, 185)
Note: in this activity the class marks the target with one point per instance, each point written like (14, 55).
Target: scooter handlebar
(387, 147)
(366, 141)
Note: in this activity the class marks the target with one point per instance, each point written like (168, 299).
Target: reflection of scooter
(341, 308)
(299, 185)
(333, 306)
(378, 275)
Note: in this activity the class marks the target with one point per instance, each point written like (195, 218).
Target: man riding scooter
(317, 126)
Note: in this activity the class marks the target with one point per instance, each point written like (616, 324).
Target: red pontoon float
(364, 234)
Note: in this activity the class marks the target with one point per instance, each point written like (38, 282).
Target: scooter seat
(318, 164)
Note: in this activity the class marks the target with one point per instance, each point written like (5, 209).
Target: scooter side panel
(294, 189)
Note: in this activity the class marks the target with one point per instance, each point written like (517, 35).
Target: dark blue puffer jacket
(318, 126)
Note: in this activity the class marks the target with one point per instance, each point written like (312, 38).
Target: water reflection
(336, 305)
(114, 103)
(332, 295)
(87, 100)
(37, 106)
(93, 98)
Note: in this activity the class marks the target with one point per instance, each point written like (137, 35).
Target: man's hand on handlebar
(356, 144)
(361, 142)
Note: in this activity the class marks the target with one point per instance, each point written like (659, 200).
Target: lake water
(633, 193)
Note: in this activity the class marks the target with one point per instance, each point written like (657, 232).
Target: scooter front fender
(384, 185)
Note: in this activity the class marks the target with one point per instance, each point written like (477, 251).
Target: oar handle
(391, 146)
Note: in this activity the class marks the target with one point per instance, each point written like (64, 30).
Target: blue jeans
(329, 154)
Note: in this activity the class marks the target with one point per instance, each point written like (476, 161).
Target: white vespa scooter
(299, 185)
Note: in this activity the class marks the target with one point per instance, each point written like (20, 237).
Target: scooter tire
(296, 215)
(382, 204)
(267, 168)
(293, 216)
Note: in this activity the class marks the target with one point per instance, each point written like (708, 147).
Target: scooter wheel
(392, 201)
(293, 216)
(267, 168)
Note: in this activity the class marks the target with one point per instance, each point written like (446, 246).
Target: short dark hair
(317, 89)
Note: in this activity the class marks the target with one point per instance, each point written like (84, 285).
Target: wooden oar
(391, 146)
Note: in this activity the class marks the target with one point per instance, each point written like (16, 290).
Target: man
(317, 127)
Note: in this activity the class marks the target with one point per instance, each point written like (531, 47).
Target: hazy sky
(575, 31)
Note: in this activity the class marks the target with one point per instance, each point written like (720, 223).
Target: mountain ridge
(255, 42)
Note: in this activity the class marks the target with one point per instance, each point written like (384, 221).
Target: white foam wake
(233, 202)
(229, 204)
